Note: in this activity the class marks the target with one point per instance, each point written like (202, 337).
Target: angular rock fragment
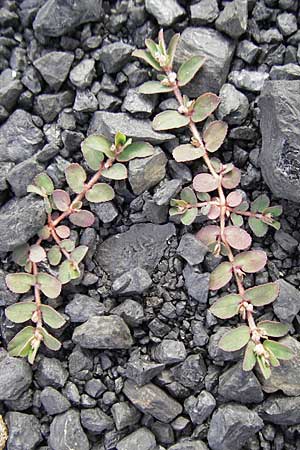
(66, 432)
(15, 377)
(166, 13)
(54, 67)
(141, 438)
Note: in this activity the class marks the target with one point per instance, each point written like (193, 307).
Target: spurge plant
(214, 194)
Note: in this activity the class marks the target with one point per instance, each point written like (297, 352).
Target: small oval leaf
(61, 200)
(19, 283)
(54, 255)
(63, 231)
(280, 351)
(187, 152)
(20, 341)
(188, 69)
(167, 120)
(43, 181)
(51, 317)
(189, 216)
(273, 329)
(214, 135)
(50, 341)
(100, 192)
(79, 253)
(249, 357)
(258, 227)
(209, 234)
(226, 307)
(75, 176)
(237, 238)
(231, 179)
(234, 199)
(20, 312)
(116, 172)
(260, 203)
(188, 195)
(137, 149)
(252, 261)
(49, 285)
(204, 106)
(82, 218)
(204, 182)
(154, 87)
(263, 294)
(36, 253)
(235, 339)
(220, 276)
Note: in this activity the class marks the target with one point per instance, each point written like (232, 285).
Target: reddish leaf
(214, 212)
(220, 276)
(204, 106)
(36, 253)
(63, 231)
(214, 135)
(252, 261)
(237, 237)
(231, 179)
(263, 294)
(234, 199)
(61, 199)
(204, 182)
(82, 218)
(208, 234)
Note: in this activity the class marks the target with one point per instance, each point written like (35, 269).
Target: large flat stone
(280, 155)
(218, 51)
(141, 246)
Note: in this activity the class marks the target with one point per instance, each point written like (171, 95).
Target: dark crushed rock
(166, 13)
(201, 407)
(66, 432)
(142, 438)
(280, 410)
(131, 311)
(50, 372)
(24, 431)
(54, 68)
(197, 284)
(95, 420)
(191, 249)
(115, 56)
(189, 445)
(15, 377)
(82, 307)
(125, 415)
(233, 18)
(287, 304)
(141, 371)
(53, 401)
(169, 352)
(133, 282)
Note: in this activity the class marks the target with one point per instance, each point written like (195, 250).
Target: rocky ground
(159, 381)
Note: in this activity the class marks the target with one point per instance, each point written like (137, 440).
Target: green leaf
(36, 190)
(188, 69)
(235, 339)
(172, 48)
(260, 203)
(152, 47)
(263, 294)
(43, 181)
(120, 139)
(20, 340)
(47, 205)
(51, 317)
(100, 192)
(280, 351)
(249, 357)
(188, 195)
(174, 211)
(68, 245)
(20, 255)
(237, 220)
(116, 172)
(20, 312)
(68, 271)
(36, 253)
(82, 218)
(258, 227)
(205, 182)
(50, 341)
(264, 367)
(187, 152)
(79, 253)
(167, 120)
(91, 150)
(154, 87)
(231, 179)
(204, 106)
(226, 307)
(275, 211)
(189, 216)
(54, 255)
(44, 233)
(63, 231)
(19, 283)
(220, 276)
(214, 135)
(251, 261)
(49, 285)
(137, 149)
(146, 56)
(75, 176)
(32, 350)
(273, 329)
(275, 224)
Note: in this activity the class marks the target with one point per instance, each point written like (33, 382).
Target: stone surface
(231, 426)
(141, 371)
(200, 408)
(19, 137)
(20, 219)
(10, 89)
(287, 23)
(150, 399)
(66, 432)
(141, 438)
(24, 431)
(82, 75)
(191, 249)
(189, 445)
(48, 106)
(115, 56)
(191, 372)
(57, 17)
(109, 332)
(53, 401)
(280, 410)
(237, 385)
(233, 19)
(287, 304)
(169, 352)
(144, 173)
(234, 105)
(82, 307)
(166, 13)
(288, 71)
(286, 377)
(22, 174)
(249, 80)
(142, 246)
(166, 191)
(218, 51)
(279, 157)
(141, 106)
(108, 123)
(204, 11)
(15, 377)
(197, 284)
(95, 420)
(134, 282)
(125, 415)
(54, 68)
(131, 311)
(6, 296)
(51, 372)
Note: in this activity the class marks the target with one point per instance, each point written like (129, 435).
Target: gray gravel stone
(287, 304)
(166, 191)
(57, 17)
(287, 23)
(142, 246)
(233, 19)
(22, 174)
(108, 123)
(15, 378)
(280, 410)
(286, 377)
(200, 336)
(191, 249)
(19, 137)
(31, 80)
(141, 438)
(66, 432)
(48, 106)
(109, 332)
(166, 13)
(191, 372)
(234, 105)
(24, 431)
(51, 372)
(231, 426)
(197, 284)
(286, 241)
(82, 75)
(139, 105)
(6, 296)
(53, 401)
(144, 173)
(218, 51)
(10, 89)
(94, 387)
(82, 307)
(237, 385)
(20, 219)
(249, 80)
(152, 400)
(200, 408)
(85, 101)
(141, 371)
(131, 311)
(247, 51)
(169, 352)
(54, 67)
(189, 445)
(125, 415)
(204, 11)
(5, 168)
(134, 282)
(95, 420)
(107, 211)
(279, 157)
(115, 56)
(289, 71)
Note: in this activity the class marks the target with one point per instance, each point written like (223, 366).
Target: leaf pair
(236, 237)
(182, 206)
(69, 269)
(42, 186)
(259, 226)
(23, 311)
(20, 283)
